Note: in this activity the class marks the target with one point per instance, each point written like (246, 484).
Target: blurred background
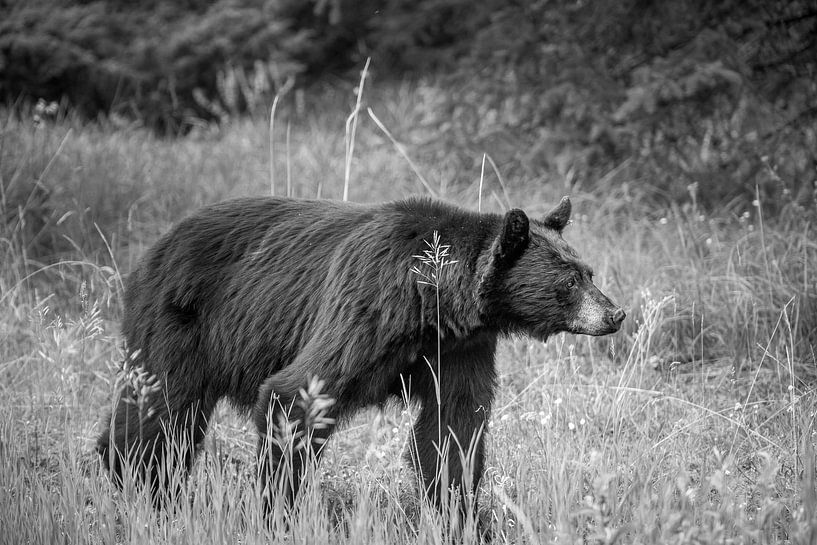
(665, 93)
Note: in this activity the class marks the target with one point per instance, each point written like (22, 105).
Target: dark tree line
(699, 88)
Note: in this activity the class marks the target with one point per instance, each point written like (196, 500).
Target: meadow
(694, 424)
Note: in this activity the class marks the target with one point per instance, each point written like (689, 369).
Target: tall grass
(693, 424)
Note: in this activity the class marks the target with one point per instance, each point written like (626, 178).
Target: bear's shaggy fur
(249, 299)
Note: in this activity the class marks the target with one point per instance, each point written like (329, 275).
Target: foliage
(669, 94)
(166, 64)
(718, 94)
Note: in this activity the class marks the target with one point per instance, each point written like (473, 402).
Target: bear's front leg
(292, 432)
(447, 446)
(453, 458)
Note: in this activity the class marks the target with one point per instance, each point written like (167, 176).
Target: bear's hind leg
(154, 438)
(291, 434)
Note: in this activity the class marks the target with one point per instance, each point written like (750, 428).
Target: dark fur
(250, 298)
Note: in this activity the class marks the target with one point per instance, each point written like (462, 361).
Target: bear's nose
(618, 316)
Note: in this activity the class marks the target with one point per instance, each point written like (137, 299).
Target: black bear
(251, 299)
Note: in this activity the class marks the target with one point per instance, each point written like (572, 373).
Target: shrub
(721, 95)
(166, 64)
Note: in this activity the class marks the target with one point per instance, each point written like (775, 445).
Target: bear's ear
(559, 216)
(511, 242)
(514, 237)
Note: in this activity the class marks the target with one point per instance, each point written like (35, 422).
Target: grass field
(694, 424)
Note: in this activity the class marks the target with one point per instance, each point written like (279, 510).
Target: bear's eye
(571, 284)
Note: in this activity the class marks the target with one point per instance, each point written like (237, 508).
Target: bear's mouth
(597, 330)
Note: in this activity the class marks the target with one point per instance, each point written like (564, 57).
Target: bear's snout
(596, 315)
(615, 318)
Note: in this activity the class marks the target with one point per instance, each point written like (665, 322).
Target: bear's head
(534, 282)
